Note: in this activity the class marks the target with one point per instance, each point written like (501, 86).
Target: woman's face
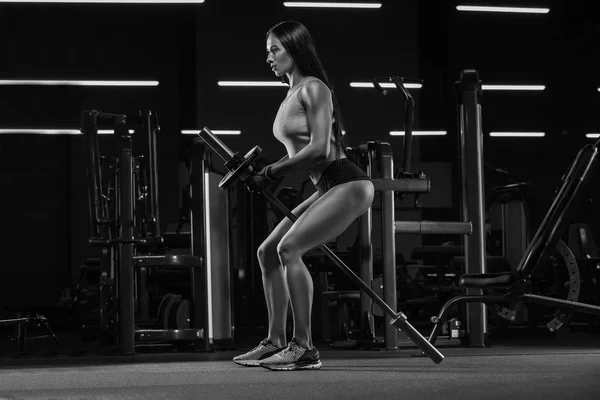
(277, 57)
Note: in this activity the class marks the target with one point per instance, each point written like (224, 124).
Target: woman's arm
(316, 99)
(281, 160)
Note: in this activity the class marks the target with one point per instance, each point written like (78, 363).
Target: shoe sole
(292, 367)
(248, 363)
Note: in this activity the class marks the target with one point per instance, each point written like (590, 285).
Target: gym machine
(240, 167)
(378, 159)
(131, 238)
(504, 290)
(210, 230)
(509, 219)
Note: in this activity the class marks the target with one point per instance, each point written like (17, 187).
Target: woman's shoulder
(314, 88)
(315, 83)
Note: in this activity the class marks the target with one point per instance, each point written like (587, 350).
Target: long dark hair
(298, 42)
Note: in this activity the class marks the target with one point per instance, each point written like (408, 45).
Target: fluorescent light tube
(517, 134)
(41, 131)
(16, 82)
(110, 131)
(252, 84)
(325, 4)
(104, 1)
(514, 87)
(22, 131)
(216, 132)
(419, 133)
(521, 10)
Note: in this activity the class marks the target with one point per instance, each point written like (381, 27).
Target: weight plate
(561, 316)
(236, 173)
(162, 309)
(182, 317)
(377, 286)
(172, 313)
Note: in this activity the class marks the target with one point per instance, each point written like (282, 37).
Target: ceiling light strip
(324, 4)
(517, 134)
(104, 1)
(420, 133)
(215, 131)
(22, 131)
(40, 131)
(252, 84)
(519, 10)
(514, 87)
(17, 82)
(110, 131)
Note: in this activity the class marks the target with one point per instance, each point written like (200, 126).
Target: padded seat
(168, 260)
(502, 280)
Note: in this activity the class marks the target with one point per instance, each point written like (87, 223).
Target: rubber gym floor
(566, 366)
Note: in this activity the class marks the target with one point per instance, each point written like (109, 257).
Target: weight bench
(516, 287)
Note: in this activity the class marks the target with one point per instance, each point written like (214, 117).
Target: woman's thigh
(269, 245)
(328, 217)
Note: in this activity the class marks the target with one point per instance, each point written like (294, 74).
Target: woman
(309, 126)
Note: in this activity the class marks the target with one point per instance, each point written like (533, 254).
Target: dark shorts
(338, 172)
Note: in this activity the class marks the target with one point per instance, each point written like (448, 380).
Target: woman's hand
(261, 180)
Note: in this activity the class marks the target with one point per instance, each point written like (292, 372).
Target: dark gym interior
(139, 279)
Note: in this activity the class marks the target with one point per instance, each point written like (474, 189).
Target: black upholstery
(502, 280)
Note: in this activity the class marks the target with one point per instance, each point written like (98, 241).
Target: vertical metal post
(388, 245)
(143, 303)
(151, 129)
(471, 145)
(408, 133)
(208, 252)
(409, 112)
(199, 305)
(366, 263)
(96, 202)
(125, 284)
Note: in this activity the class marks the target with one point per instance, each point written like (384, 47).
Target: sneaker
(292, 358)
(265, 349)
